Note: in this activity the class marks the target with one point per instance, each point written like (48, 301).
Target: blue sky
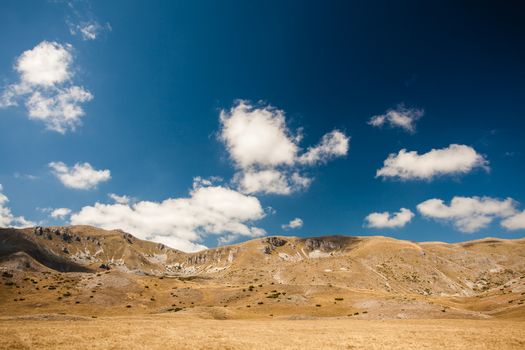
(137, 89)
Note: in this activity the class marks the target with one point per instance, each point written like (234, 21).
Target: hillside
(89, 272)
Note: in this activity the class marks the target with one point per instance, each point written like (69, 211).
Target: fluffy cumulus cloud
(388, 220)
(452, 160)
(81, 176)
(60, 213)
(258, 136)
(399, 117)
(267, 153)
(515, 222)
(45, 87)
(46, 64)
(468, 214)
(7, 219)
(181, 222)
(293, 224)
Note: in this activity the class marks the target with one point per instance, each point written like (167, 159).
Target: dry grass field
(158, 332)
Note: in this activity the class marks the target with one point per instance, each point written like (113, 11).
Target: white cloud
(179, 243)
(228, 239)
(47, 64)
(387, 220)
(120, 199)
(81, 176)
(400, 117)
(11, 94)
(468, 214)
(257, 136)
(265, 181)
(515, 222)
(60, 213)
(293, 224)
(299, 181)
(60, 110)
(181, 222)
(7, 219)
(89, 30)
(45, 87)
(454, 159)
(333, 144)
(270, 181)
(267, 153)
(199, 181)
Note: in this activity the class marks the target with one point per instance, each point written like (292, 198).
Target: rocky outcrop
(272, 243)
(323, 244)
(62, 232)
(39, 230)
(129, 238)
(197, 259)
(67, 237)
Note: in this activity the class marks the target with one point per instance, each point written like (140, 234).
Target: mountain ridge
(83, 269)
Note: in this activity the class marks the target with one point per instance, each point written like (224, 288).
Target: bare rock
(272, 243)
(322, 244)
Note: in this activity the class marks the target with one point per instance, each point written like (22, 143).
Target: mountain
(84, 270)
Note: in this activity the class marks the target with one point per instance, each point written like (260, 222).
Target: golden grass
(168, 332)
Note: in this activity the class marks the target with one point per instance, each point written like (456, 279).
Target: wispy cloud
(25, 176)
(88, 30)
(83, 22)
(399, 117)
(293, 224)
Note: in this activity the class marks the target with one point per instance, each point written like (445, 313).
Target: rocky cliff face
(85, 249)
